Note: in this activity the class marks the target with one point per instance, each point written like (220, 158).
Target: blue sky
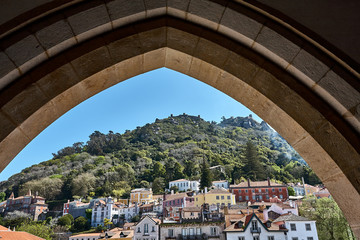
(129, 104)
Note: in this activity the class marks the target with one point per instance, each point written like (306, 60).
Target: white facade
(147, 229)
(221, 184)
(88, 236)
(129, 211)
(184, 185)
(212, 230)
(281, 209)
(158, 208)
(255, 230)
(301, 230)
(103, 209)
(299, 190)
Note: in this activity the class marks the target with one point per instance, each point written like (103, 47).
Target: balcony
(195, 237)
(255, 230)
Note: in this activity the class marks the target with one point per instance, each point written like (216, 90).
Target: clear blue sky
(129, 104)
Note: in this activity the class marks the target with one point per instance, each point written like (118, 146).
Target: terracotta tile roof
(86, 235)
(220, 181)
(219, 191)
(2, 228)
(127, 225)
(175, 196)
(290, 217)
(191, 209)
(257, 184)
(10, 235)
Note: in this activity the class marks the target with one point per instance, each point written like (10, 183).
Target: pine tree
(253, 168)
(205, 175)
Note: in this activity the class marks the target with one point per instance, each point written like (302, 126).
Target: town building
(259, 191)
(298, 227)
(252, 227)
(104, 209)
(310, 190)
(141, 195)
(147, 229)
(77, 208)
(218, 197)
(185, 185)
(279, 208)
(128, 212)
(221, 184)
(6, 233)
(31, 204)
(323, 193)
(117, 234)
(192, 230)
(191, 212)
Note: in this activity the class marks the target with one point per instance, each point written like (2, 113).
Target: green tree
(83, 184)
(252, 165)
(65, 221)
(330, 221)
(37, 229)
(107, 223)
(81, 224)
(2, 196)
(88, 213)
(205, 175)
(158, 170)
(291, 191)
(158, 185)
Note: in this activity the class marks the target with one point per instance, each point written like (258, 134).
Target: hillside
(153, 155)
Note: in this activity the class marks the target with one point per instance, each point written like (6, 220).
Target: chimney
(226, 210)
(206, 190)
(248, 182)
(268, 179)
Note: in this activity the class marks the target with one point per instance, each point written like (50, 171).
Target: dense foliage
(153, 155)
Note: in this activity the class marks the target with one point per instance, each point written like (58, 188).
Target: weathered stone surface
(7, 125)
(125, 48)
(240, 67)
(309, 65)
(178, 4)
(58, 81)
(153, 4)
(154, 59)
(123, 8)
(24, 50)
(177, 61)
(182, 41)
(26, 103)
(54, 34)
(89, 19)
(211, 52)
(206, 9)
(92, 62)
(204, 72)
(6, 65)
(340, 90)
(277, 44)
(153, 39)
(240, 23)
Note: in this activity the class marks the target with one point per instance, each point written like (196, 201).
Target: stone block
(125, 48)
(54, 34)
(204, 72)
(240, 67)
(310, 65)
(181, 5)
(154, 59)
(340, 90)
(25, 104)
(206, 9)
(130, 67)
(6, 65)
(6, 126)
(177, 61)
(181, 41)
(277, 44)
(124, 8)
(240, 23)
(92, 62)
(211, 52)
(88, 19)
(58, 81)
(24, 50)
(153, 39)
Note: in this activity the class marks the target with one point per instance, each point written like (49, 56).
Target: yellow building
(141, 195)
(217, 196)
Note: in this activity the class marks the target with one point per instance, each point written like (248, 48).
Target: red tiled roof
(257, 184)
(2, 228)
(10, 235)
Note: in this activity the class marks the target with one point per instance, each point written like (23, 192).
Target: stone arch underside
(309, 96)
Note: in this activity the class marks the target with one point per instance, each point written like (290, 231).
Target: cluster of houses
(249, 210)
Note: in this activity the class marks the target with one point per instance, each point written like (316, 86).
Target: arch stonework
(310, 96)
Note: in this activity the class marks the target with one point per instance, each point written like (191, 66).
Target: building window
(246, 190)
(267, 190)
(222, 197)
(241, 238)
(138, 230)
(184, 231)
(260, 197)
(294, 238)
(259, 190)
(280, 189)
(267, 196)
(228, 197)
(213, 231)
(247, 197)
(146, 228)
(170, 232)
(240, 198)
(198, 231)
(281, 196)
(153, 229)
(191, 231)
(254, 225)
(270, 237)
(293, 226)
(253, 190)
(273, 190)
(308, 227)
(256, 238)
(310, 238)
(217, 197)
(253, 197)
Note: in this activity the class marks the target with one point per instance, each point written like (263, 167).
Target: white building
(252, 228)
(85, 236)
(129, 211)
(104, 209)
(147, 229)
(185, 185)
(221, 184)
(278, 209)
(299, 228)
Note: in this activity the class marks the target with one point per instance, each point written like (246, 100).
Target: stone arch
(309, 96)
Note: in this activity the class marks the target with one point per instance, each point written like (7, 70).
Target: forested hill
(153, 155)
